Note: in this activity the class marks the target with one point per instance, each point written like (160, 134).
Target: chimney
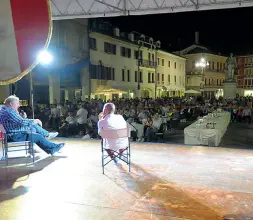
(123, 34)
(131, 37)
(196, 37)
(116, 32)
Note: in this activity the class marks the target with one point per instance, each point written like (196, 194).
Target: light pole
(155, 72)
(202, 63)
(44, 58)
(139, 63)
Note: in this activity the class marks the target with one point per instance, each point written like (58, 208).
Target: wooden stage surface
(166, 182)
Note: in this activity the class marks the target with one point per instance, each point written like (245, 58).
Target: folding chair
(8, 146)
(125, 154)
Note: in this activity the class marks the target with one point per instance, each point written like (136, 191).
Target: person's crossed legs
(42, 142)
(39, 130)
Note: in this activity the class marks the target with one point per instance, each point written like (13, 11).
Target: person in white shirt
(165, 110)
(94, 117)
(156, 124)
(246, 114)
(81, 117)
(91, 128)
(69, 126)
(110, 121)
(132, 112)
(55, 117)
(141, 114)
(71, 120)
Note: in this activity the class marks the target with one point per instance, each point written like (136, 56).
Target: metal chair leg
(6, 155)
(3, 149)
(129, 151)
(103, 167)
(32, 147)
(102, 148)
(27, 149)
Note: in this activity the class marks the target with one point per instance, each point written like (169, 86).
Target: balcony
(214, 85)
(247, 86)
(195, 73)
(215, 70)
(199, 71)
(248, 64)
(101, 82)
(248, 76)
(159, 83)
(149, 81)
(147, 63)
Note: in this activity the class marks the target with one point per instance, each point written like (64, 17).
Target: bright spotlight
(45, 57)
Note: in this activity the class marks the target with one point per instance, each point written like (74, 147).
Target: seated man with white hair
(110, 121)
(18, 128)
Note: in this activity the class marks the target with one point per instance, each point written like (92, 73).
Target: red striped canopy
(25, 30)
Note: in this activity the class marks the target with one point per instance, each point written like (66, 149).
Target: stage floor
(166, 182)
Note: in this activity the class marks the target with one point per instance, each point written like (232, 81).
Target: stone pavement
(166, 182)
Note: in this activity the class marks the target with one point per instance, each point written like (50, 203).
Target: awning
(162, 87)
(110, 91)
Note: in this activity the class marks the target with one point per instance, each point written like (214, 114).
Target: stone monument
(230, 84)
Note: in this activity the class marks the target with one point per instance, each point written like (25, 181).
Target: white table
(200, 135)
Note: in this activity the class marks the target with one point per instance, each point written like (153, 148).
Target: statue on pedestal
(231, 64)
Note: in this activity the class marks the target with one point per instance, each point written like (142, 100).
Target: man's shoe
(86, 137)
(57, 148)
(52, 135)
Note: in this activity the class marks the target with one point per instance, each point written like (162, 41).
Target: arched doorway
(145, 93)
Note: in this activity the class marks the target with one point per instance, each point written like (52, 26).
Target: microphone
(22, 113)
(101, 116)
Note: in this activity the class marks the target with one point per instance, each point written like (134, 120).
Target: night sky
(222, 31)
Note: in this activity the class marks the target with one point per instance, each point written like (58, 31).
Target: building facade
(122, 67)
(245, 75)
(98, 61)
(170, 74)
(206, 80)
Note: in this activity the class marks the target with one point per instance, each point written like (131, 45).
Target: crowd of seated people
(145, 116)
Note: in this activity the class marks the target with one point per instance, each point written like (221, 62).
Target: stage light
(45, 58)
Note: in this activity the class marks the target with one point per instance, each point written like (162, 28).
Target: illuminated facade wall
(245, 75)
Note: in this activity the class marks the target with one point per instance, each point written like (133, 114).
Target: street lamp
(202, 63)
(44, 58)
